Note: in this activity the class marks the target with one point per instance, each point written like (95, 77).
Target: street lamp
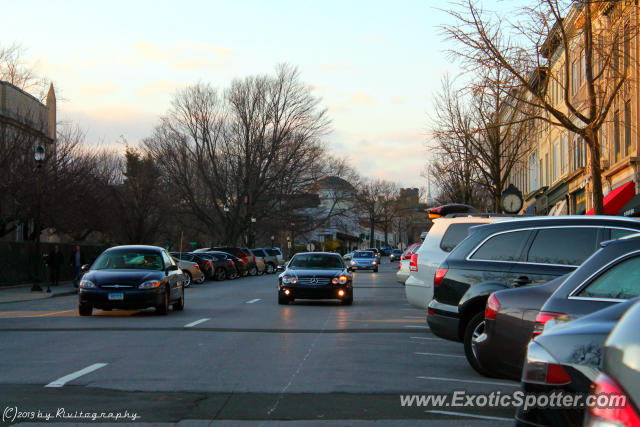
(273, 238)
(39, 158)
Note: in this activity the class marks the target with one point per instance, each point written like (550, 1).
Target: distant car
(395, 255)
(241, 269)
(315, 275)
(276, 253)
(443, 236)
(132, 277)
(376, 252)
(566, 360)
(271, 261)
(348, 256)
(364, 260)
(514, 316)
(215, 267)
(192, 272)
(385, 250)
(619, 375)
(403, 267)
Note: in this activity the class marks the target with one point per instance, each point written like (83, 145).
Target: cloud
(193, 64)
(98, 89)
(159, 87)
(397, 99)
(361, 98)
(335, 67)
(48, 68)
(183, 55)
(150, 51)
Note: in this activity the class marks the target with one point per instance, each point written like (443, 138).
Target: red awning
(616, 199)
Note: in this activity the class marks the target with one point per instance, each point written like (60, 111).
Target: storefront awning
(617, 199)
(632, 208)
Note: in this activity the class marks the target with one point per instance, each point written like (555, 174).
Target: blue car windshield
(128, 259)
(363, 254)
(316, 262)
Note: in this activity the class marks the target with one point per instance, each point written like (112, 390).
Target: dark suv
(509, 254)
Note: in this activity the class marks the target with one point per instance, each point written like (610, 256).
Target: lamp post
(273, 238)
(39, 158)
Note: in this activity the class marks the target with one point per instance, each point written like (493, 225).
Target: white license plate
(116, 296)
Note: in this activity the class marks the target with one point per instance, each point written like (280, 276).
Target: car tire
(201, 281)
(270, 268)
(179, 305)
(282, 300)
(245, 273)
(253, 271)
(85, 309)
(474, 328)
(260, 273)
(187, 280)
(233, 275)
(220, 274)
(163, 308)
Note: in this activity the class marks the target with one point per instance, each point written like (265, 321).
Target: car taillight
(541, 319)
(197, 267)
(240, 260)
(493, 307)
(437, 279)
(208, 262)
(541, 368)
(413, 264)
(399, 266)
(624, 415)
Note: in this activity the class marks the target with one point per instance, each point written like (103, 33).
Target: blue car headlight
(87, 284)
(149, 284)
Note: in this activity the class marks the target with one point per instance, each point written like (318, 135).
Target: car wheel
(220, 274)
(85, 309)
(270, 269)
(260, 272)
(253, 270)
(474, 329)
(187, 280)
(163, 308)
(233, 275)
(179, 305)
(245, 273)
(282, 300)
(201, 281)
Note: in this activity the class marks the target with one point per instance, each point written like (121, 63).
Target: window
(563, 246)
(583, 67)
(627, 47)
(627, 128)
(556, 161)
(617, 233)
(503, 247)
(455, 234)
(533, 171)
(167, 260)
(616, 136)
(603, 140)
(578, 152)
(546, 169)
(622, 281)
(564, 154)
(541, 173)
(574, 77)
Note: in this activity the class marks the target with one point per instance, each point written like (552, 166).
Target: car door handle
(522, 280)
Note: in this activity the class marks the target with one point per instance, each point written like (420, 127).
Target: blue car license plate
(116, 296)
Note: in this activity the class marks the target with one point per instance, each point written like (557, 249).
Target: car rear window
(502, 247)
(455, 234)
(622, 281)
(563, 246)
(363, 254)
(258, 252)
(273, 252)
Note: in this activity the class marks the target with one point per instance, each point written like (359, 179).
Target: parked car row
(534, 299)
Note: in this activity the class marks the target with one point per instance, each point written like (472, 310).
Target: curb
(53, 295)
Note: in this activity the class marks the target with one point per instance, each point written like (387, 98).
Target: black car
(216, 267)
(620, 373)
(245, 255)
(395, 255)
(315, 275)
(565, 360)
(513, 316)
(509, 254)
(132, 277)
(240, 267)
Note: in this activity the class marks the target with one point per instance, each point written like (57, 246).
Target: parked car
(241, 268)
(385, 250)
(132, 277)
(276, 253)
(315, 275)
(363, 260)
(216, 267)
(271, 261)
(395, 255)
(619, 373)
(248, 260)
(403, 267)
(514, 316)
(191, 270)
(566, 359)
(506, 254)
(261, 264)
(443, 236)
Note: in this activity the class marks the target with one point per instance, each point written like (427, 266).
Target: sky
(116, 65)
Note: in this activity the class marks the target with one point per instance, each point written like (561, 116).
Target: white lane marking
(416, 326)
(253, 300)
(413, 317)
(438, 354)
(468, 381)
(462, 414)
(63, 380)
(197, 322)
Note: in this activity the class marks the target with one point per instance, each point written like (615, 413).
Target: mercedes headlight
(289, 280)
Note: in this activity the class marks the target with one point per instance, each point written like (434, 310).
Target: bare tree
(373, 197)
(15, 70)
(592, 37)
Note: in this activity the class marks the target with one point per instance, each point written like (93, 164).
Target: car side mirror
(172, 268)
(85, 267)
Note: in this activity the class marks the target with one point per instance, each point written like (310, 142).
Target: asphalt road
(235, 357)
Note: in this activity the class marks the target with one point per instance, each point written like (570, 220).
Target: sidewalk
(23, 292)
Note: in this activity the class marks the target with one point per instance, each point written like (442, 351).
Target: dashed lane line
(197, 322)
(63, 380)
